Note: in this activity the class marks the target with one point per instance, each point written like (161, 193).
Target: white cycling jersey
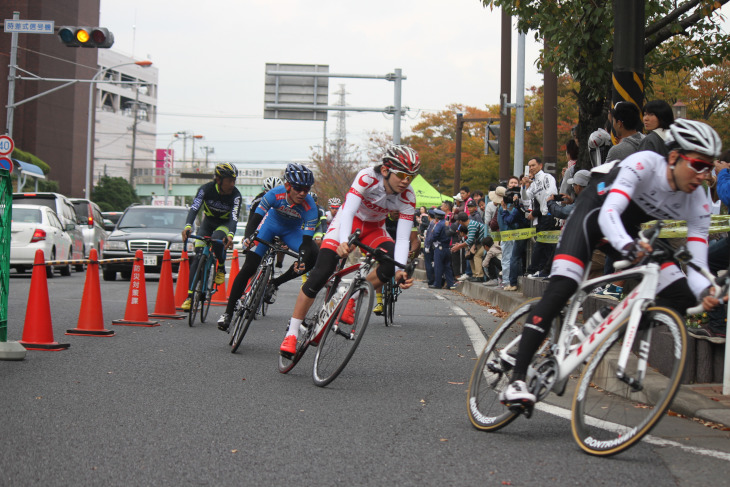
(368, 201)
(642, 181)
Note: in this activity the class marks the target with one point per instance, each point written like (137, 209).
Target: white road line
(479, 342)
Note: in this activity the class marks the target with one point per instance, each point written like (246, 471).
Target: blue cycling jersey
(275, 207)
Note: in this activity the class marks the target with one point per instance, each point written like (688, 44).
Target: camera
(558, 197)
(509, 196)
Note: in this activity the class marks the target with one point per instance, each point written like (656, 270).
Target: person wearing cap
(472, 241)
(441, 254)
(625, 123)
(578, 182)
(473, 211)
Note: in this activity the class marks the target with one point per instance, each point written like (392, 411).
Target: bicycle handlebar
(379, 254)
(276, 248)
(198, 237)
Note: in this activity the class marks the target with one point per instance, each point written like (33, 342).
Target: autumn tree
(335, 170)
(679, 34)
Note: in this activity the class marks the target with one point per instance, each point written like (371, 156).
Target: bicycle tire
(388, 303)
(240, 323)
(286, 364)
(250, 307)
(195, 296)
(608, 415)
(393, 299)
(207, 294)
(338, 344)
(491, 373)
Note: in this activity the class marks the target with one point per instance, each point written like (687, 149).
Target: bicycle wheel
(388, 303)
(491, 373)
(240, 323)
(195, 296)
(286, 364)
(207, 294)
(248, 309)
(340, 340)
(609, 416)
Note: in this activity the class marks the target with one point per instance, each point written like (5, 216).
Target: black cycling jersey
(222, 209)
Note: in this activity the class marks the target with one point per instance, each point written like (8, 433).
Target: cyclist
(321, 227)
(220, 201)
(620, 196)
(374, 193)
(391, 226)
(269, 184)
(290, 213)
(334, 204)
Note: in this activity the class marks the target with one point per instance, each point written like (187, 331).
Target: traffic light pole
(460, 120)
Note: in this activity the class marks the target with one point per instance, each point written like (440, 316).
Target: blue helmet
(298, 174)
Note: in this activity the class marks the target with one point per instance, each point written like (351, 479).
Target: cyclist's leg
(573, 253)
(293, 240)
(673, 290)
(252, 262)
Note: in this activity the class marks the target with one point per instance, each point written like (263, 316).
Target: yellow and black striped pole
(628, 52)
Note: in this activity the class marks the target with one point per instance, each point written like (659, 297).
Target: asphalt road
(170, 405)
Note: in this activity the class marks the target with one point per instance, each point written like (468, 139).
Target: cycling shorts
(372, 234)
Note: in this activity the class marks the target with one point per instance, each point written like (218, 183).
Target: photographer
(578, 183)
(512, 217)
(538, 186)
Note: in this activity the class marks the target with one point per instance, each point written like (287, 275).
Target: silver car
(37, 227)
(89, 218)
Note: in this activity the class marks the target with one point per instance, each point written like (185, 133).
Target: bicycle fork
(636, 383)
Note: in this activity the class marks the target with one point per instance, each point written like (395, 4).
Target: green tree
(679, 34)
(114, 194)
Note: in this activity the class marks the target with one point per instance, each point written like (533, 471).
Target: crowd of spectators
(473, 238)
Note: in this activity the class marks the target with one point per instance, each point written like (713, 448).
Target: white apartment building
(115, 133)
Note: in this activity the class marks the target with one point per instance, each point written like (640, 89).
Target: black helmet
(226, 170)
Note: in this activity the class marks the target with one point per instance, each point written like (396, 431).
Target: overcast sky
(211, 58)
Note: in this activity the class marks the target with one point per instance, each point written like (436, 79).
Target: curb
(686, 402)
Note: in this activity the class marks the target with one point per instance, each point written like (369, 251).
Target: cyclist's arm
(618, 199)
(698, 228)
(195, 207)
(233, 219)
(348, 210)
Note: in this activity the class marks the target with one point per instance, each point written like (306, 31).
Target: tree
(679, 34)
(335, 171)
(114, 194)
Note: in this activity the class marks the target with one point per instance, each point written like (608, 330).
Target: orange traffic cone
(234, 271)
(165, 303)
(220, 298)
(136, 312)
(183, 281)
(38, 327)
(91, 315)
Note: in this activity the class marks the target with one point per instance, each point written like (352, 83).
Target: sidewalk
(702, 401)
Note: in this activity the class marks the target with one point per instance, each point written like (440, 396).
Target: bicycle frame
(205, 256)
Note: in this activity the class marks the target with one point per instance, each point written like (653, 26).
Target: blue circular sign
(6, 164)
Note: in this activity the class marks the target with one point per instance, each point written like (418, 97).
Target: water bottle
(596, 318)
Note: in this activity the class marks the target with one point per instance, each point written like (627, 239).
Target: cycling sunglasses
(402, 175)
(698, 165)
(300, 189)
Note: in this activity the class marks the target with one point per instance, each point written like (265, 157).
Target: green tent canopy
(427, 195)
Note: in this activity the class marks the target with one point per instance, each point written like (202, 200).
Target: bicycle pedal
(520, 408)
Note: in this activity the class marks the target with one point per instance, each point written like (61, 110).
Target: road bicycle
(391, 291)
(252, 300)
(619, 398)
(203, 283)
(324, 328)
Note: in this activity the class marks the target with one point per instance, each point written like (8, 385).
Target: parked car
(238, 238)
(110, 219)
(38, 227)
(66, 213)
(149, 228)
(88, 216)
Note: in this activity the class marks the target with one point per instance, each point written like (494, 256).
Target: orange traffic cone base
(90, 333)
(169, 317)
(135, 323)
(49, 347)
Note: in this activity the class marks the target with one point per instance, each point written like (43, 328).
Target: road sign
(29, 26)
(6, 145)
(302, 90)
(6, 163)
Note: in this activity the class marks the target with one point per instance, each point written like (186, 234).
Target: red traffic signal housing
(80, 36)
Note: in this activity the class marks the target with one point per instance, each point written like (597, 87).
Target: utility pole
(134, 138)
(505, 118)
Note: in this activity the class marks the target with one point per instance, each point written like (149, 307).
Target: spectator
(538, 186)
(473, 211)
(658, 116)
(465, 195)
(428, 248)
(492, 262)
(571, 152)
(578, 183)
(625, 123)
(514, 219)
(459, 205)
(477, 196)
(471, 238)
(441, 254)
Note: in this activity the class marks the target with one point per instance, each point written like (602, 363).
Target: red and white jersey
(368, 201)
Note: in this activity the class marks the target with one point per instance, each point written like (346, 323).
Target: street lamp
(167, 166)
(92, 84)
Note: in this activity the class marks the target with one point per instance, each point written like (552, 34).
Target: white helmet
(694, 136)
(599, 138)
(334, 202)
(271, 182)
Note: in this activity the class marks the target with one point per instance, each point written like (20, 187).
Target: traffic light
(79, 36)
(491, 142)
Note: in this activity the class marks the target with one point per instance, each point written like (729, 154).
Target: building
(54, 126)
(116, 135)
